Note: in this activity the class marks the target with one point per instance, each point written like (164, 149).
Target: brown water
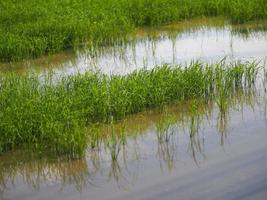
(160, 147)
(205, 39)
(174, 153)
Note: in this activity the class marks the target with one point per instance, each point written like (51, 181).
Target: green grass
(59, 115)
(33, 28)
(185, 117)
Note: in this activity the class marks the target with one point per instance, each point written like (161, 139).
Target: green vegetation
(60, 115)
(185, 117)
(32, 28)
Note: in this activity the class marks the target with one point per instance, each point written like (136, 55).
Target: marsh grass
(32, 28)
(60, 115)
(37, 168)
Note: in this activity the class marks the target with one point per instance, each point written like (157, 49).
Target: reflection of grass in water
(164, 129)
(196, 115)
(167, 153)
(250, 29)
(195, 118)
(35, 170)
(115, 141)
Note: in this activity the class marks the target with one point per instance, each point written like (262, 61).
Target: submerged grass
(188, 117)
(60, 115)
(32, 28)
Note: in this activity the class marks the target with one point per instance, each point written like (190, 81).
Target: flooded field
(181, 146)
(190, 150)
(208, 40)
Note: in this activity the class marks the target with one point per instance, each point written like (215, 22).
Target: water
(173, 44)
(159, 146)
(167, 152)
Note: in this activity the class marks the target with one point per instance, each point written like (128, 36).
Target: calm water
(158, 145)
(174, 44)
(176, 147)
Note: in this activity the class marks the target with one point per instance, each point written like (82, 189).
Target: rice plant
(33, 28)
(60, 115)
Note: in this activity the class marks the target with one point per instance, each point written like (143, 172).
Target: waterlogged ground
(187, 151)
(191, 150)
(208, 40)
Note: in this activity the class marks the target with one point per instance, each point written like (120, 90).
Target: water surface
(208, 40)
(167, 153)
(162, 146)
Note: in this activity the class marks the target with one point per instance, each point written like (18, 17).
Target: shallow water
(160, 146)
(206, 44)
(173, 44)
(166, 151)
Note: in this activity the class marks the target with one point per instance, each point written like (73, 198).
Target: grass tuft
(60, 116)
(33, 28)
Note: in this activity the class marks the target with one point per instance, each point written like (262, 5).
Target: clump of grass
(53, 115)
(32, 28)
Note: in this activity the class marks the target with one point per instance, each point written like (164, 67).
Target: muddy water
(207, 39)
(166, 154)
(174, 153)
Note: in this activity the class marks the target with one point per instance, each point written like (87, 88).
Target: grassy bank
(32, 28)
(58, 116)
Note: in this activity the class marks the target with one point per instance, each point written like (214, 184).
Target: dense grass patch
(32, 28)
(58, 114)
